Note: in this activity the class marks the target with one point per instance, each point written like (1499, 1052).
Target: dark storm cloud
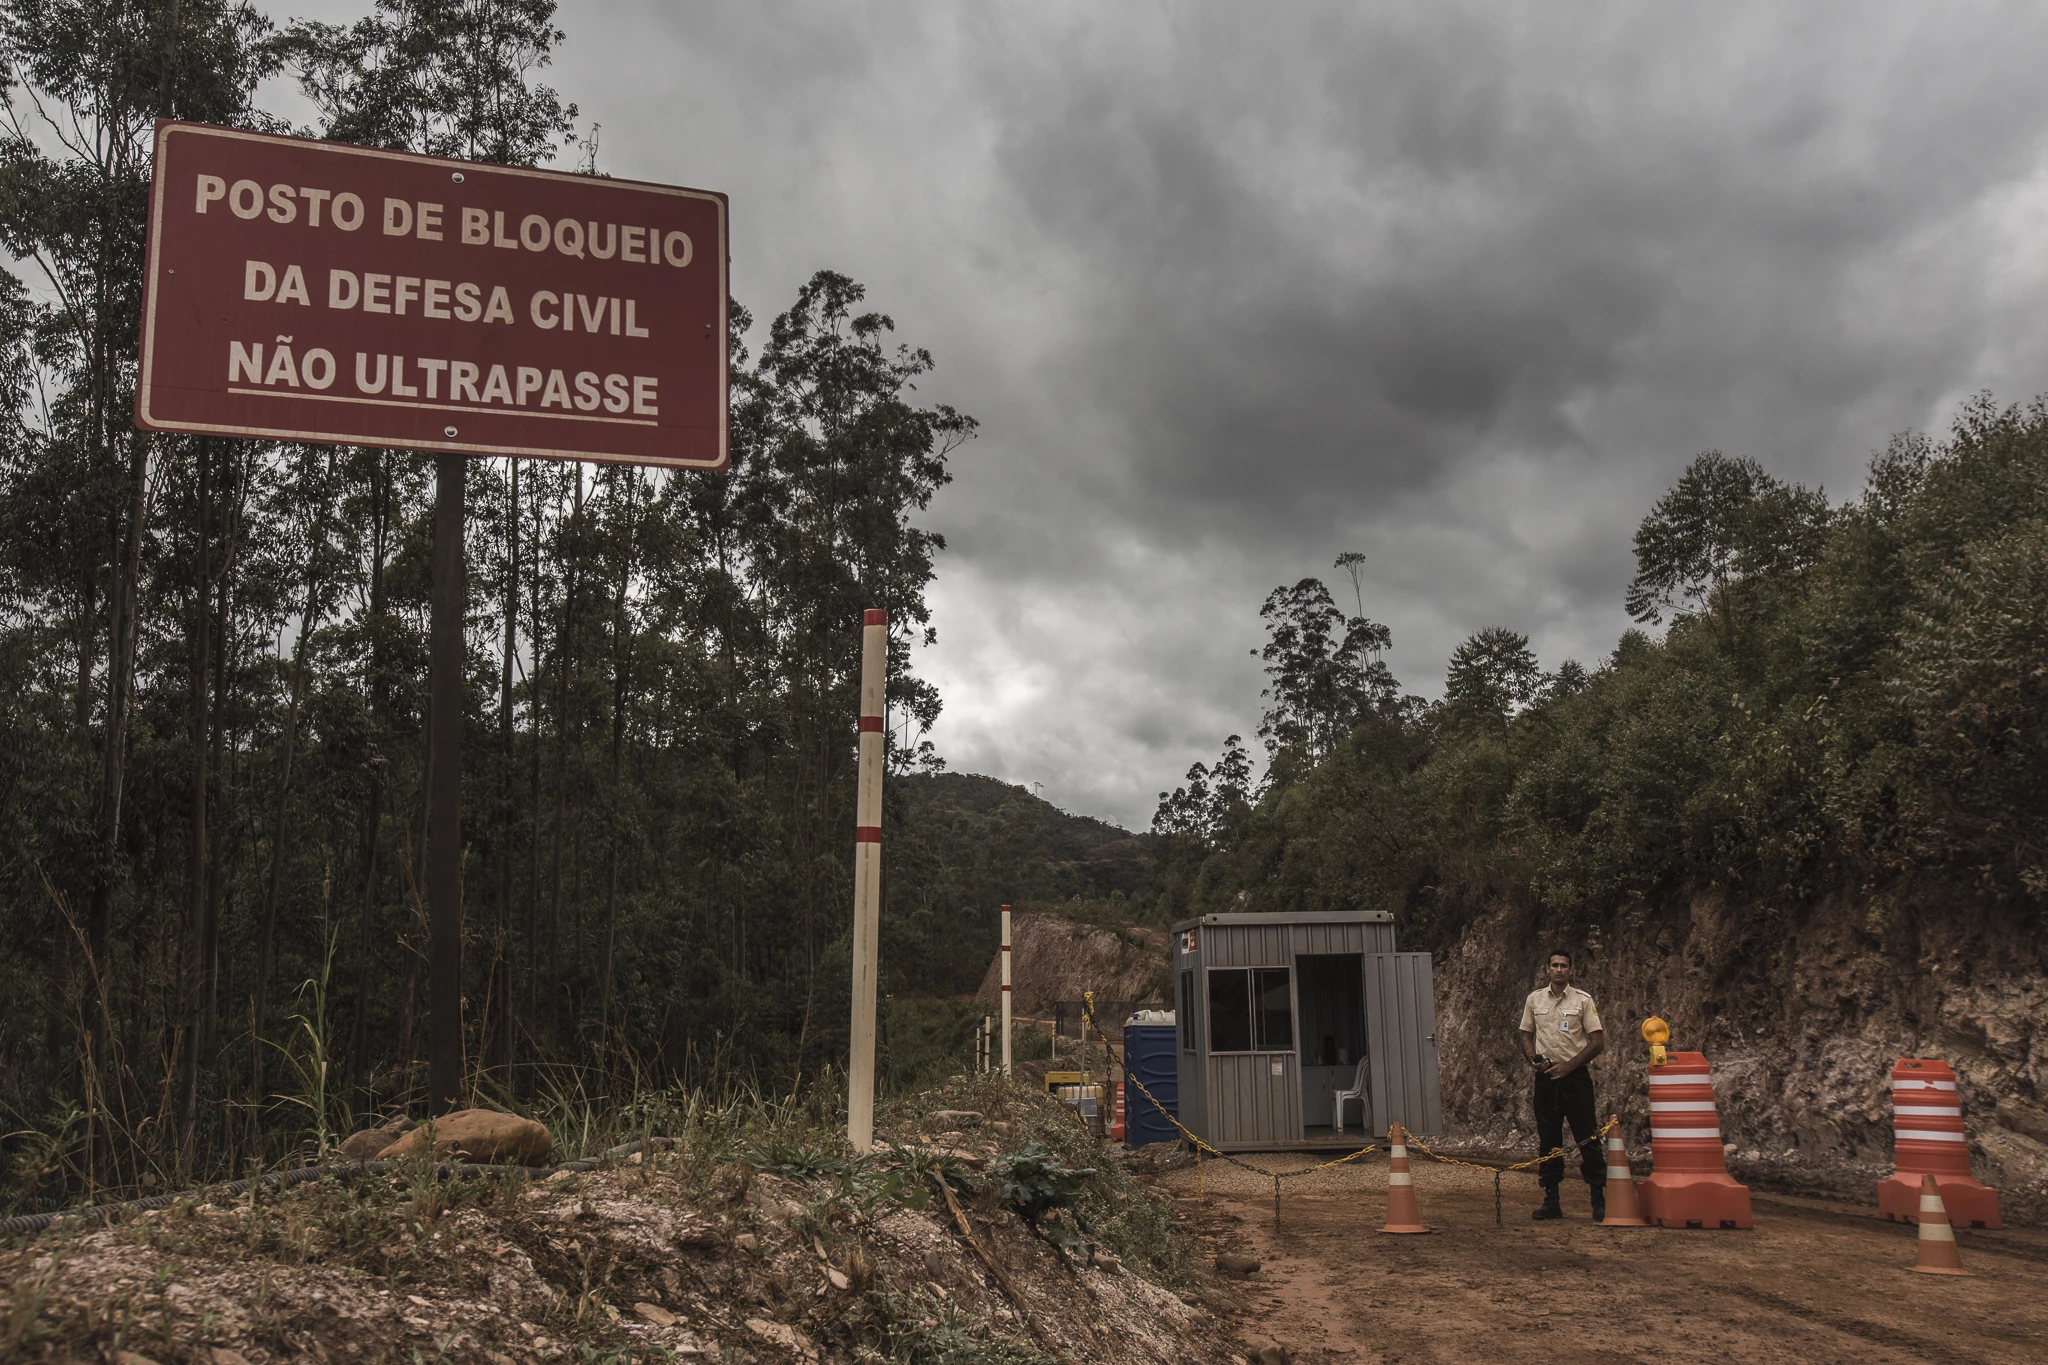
(1465, 290)
(1234, 288)
(1393, 243)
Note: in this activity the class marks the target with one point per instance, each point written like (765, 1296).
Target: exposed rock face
(1800, 1016)
(1057, 960)
(481, 1135)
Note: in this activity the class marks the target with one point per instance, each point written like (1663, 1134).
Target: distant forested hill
(955, 848)
(963, 847)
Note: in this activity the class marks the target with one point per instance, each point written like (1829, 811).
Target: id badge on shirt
(1564, 1025)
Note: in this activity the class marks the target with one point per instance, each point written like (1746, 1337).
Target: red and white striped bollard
(867, 881)
(1006, 990)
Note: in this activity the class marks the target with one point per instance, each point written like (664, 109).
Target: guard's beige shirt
(1561, 1023)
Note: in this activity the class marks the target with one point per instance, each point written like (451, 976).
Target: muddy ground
(1814, 1281)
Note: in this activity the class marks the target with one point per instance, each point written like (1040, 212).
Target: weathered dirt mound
(773, 1250)
(1802, 1032)
(1057, 959)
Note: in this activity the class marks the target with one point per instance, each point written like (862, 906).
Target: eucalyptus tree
(839, 459)
(444, 77)
(85, 80)
(1724, 530)
(1492, 674)
(455, 78)
(1323, 669)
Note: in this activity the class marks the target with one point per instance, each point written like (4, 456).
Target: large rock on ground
(481, 1135)
(365, 1145)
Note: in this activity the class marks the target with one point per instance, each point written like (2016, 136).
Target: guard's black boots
(1599, 1203)
(1551, 1208)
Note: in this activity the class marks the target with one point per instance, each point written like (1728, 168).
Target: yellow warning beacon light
(1656, 1033)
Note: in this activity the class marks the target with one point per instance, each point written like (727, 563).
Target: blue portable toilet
(1149, 1057)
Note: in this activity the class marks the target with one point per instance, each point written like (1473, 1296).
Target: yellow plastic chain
(1555, 1153)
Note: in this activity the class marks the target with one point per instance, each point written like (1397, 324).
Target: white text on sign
(630, 243)
(467, 383)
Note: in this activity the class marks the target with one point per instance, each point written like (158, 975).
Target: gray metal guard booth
(1275, 1012)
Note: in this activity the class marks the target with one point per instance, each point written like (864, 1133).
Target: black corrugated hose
(283, 1180)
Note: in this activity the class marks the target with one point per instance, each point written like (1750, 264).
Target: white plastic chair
(1356, 1092)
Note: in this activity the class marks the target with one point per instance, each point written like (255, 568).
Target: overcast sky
(1234, 288)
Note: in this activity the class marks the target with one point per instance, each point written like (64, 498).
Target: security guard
(1561, 1033)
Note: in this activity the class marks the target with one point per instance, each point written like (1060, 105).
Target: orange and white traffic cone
(1937, 1237)
(1402, 1215)
(1624, 1210)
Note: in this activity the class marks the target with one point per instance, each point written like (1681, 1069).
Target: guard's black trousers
(1557, 1101)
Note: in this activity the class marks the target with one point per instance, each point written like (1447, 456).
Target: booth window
(1187, 1011)
(1250, 1010)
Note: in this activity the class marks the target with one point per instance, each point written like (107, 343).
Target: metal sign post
(867, 882)
(318, 292)
(444, 797)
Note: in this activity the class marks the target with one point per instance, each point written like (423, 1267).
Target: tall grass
(308, 1056)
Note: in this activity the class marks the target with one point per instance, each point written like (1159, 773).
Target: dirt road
(1813, 1281)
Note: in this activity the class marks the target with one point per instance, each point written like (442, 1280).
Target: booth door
(1400, 1030)
(1331, 991)
(1254, 1076)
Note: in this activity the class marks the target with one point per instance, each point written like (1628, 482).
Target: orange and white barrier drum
(1689, 1185)
(1927, 1128)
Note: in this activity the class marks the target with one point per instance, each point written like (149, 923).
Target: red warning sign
(312, 291)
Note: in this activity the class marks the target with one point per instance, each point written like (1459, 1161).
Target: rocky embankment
(1057, 959)
(1801, 1018)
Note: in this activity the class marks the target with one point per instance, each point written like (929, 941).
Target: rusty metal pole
(867, 882)
(444, 811)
